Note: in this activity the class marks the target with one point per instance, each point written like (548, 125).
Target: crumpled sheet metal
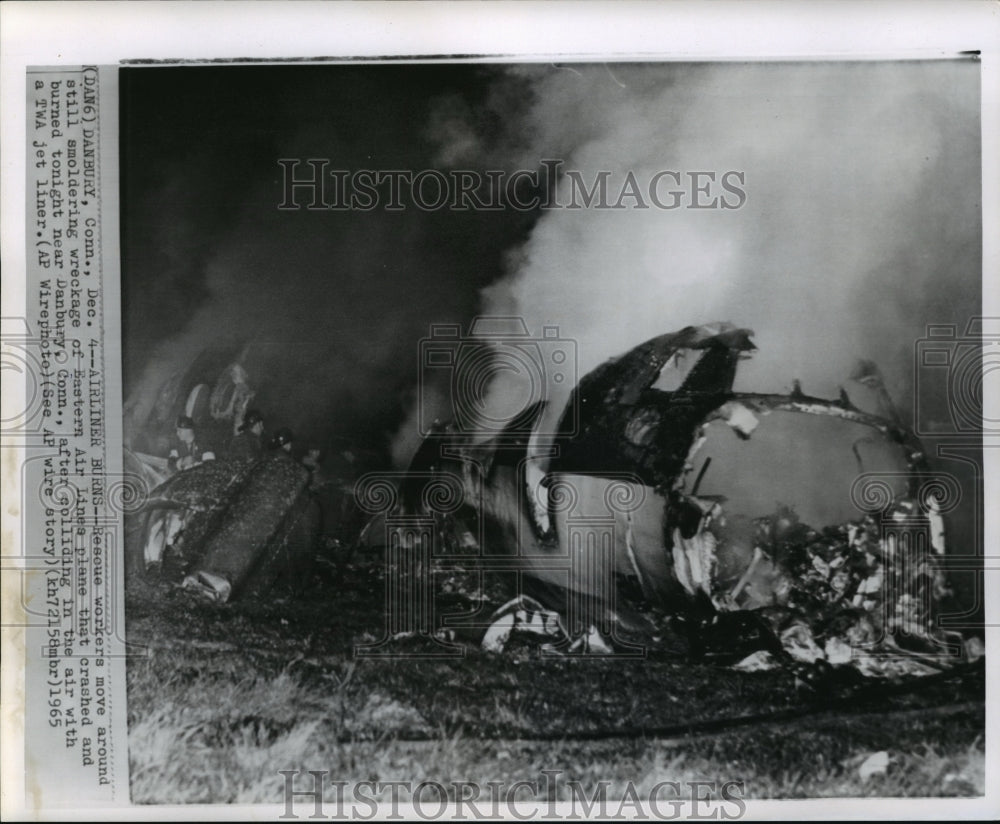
(524, 620)
(230, 525)
(187, 504)
(256, 521)
(204, 487)
(618, 421)
(848, 597)
(620, 425)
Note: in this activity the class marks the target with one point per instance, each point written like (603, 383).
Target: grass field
(222, 697)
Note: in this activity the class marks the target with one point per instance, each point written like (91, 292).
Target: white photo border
(99, 33)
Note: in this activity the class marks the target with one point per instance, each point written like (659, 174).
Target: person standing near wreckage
(247, 445)
(185, 451)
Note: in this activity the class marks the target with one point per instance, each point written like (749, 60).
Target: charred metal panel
(625, 425)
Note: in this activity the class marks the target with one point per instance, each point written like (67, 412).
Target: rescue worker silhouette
(231, 395)
(313, 461)
(185, 451)
(247, 446)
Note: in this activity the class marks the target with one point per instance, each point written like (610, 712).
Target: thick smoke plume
(861, 223)
(327, 307)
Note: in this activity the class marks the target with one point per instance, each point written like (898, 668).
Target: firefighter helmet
(282, 438)
(251, 419)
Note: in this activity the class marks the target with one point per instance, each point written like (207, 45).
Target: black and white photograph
(574, 436)
(506, 418)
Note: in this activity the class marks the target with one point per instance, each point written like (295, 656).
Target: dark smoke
(328, 306)
(862, 222)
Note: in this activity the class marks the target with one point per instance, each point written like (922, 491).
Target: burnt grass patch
(250, 688)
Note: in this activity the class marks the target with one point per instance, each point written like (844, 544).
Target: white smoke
(860, 182)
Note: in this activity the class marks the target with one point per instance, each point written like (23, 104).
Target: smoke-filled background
(861, 223)
(327, 308)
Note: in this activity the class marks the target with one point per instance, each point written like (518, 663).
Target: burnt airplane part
(228, 528)
(608, 509)
(628, 425)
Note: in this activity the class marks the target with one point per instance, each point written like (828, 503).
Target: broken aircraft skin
(614, 490)
(227, 529)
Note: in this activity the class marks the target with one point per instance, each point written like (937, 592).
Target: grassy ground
(221, 698)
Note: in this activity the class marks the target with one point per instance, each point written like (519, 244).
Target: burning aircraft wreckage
(603, 538)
